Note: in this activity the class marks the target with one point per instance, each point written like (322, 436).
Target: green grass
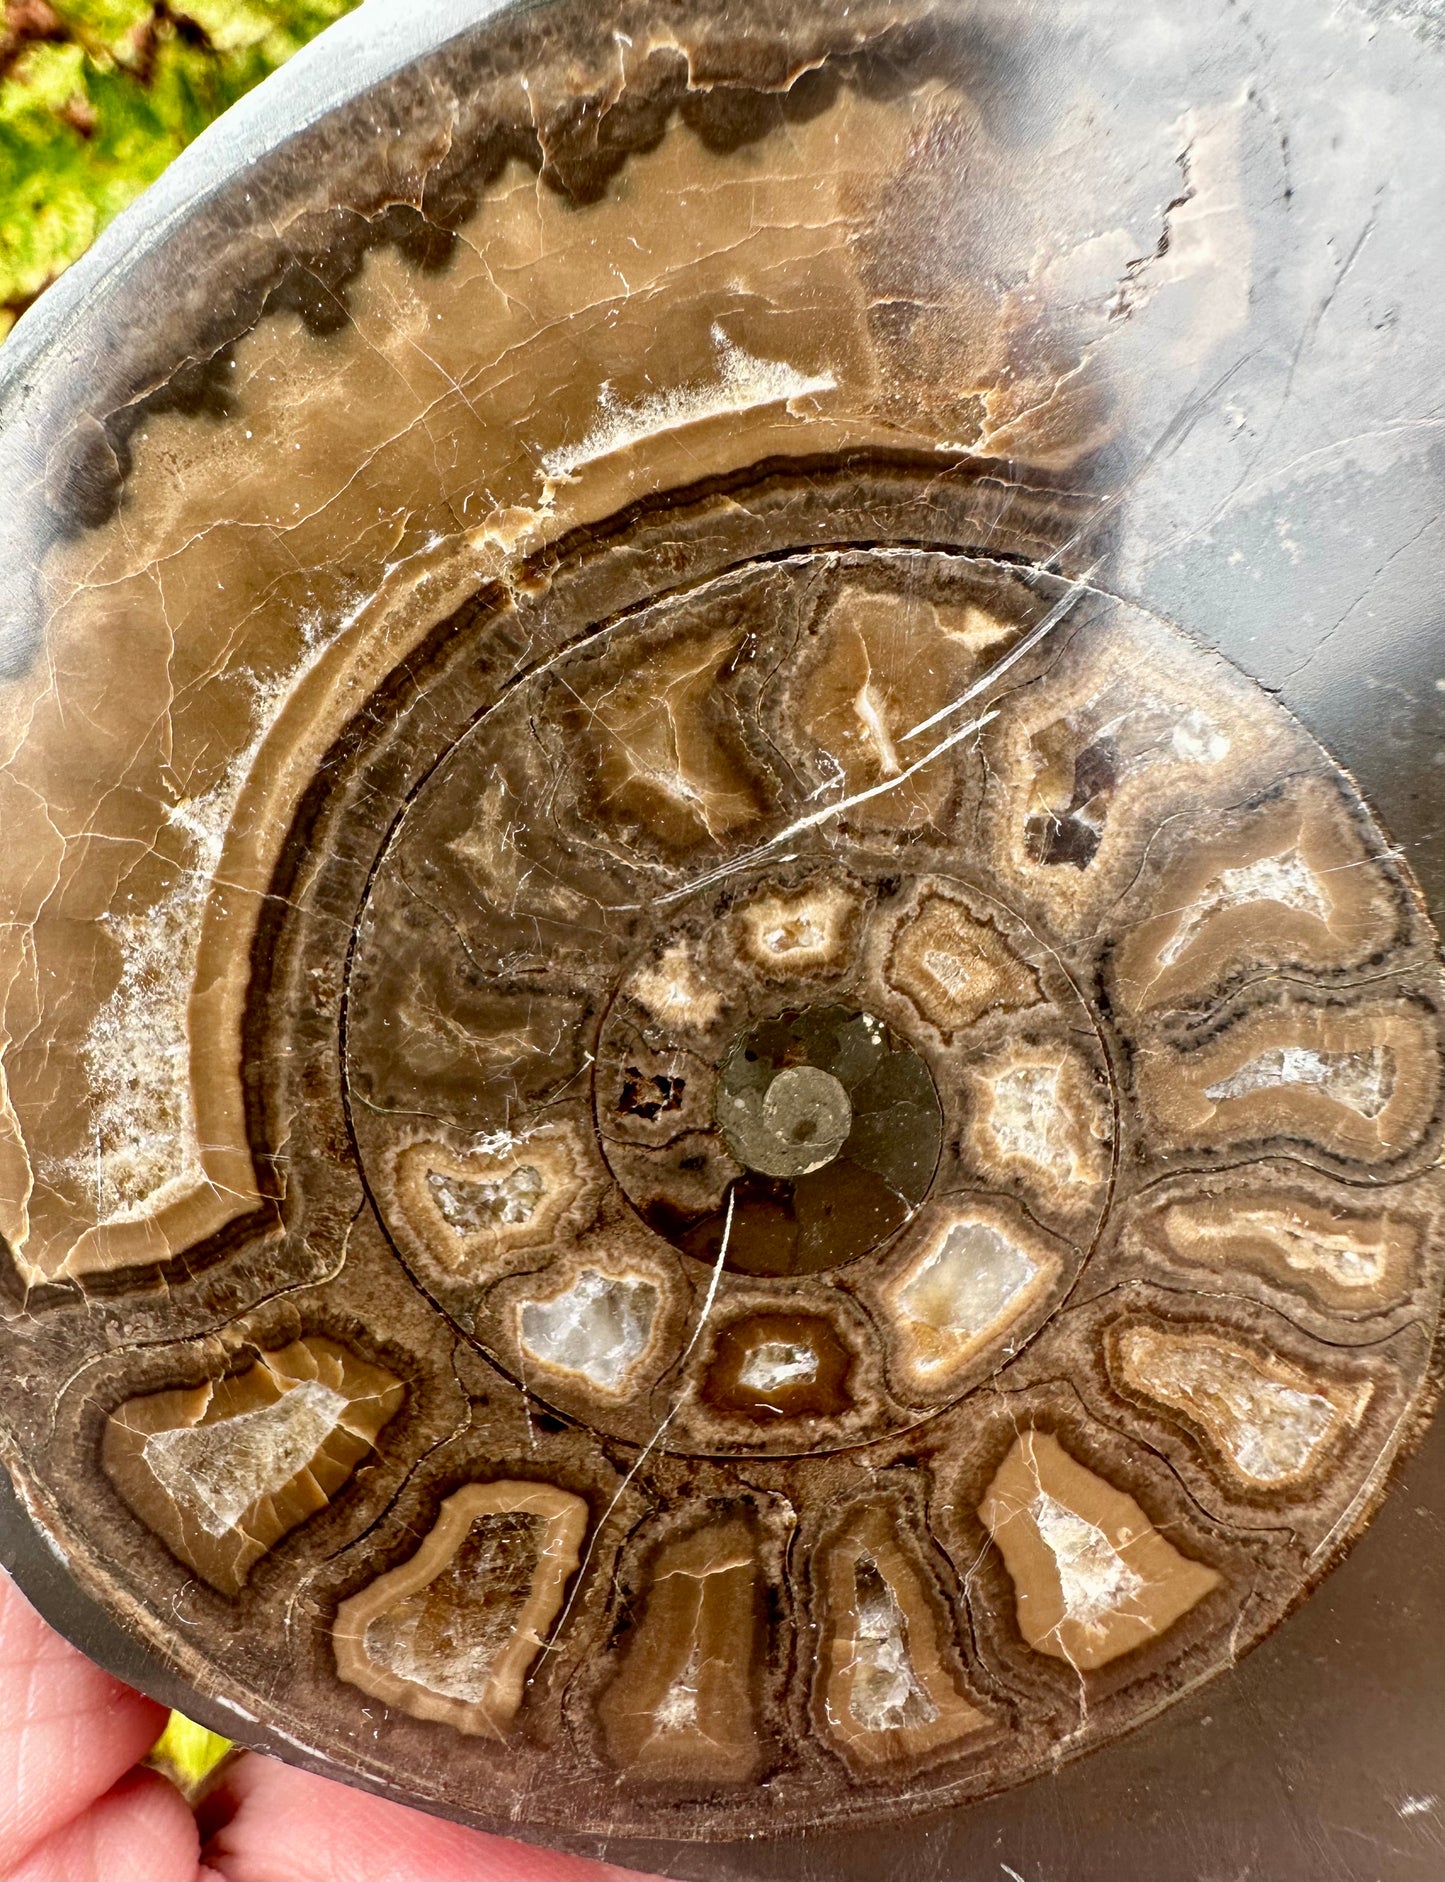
(97, 97)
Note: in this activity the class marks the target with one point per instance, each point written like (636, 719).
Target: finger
(288, 1826)
(140, 1831)
(67, 1730)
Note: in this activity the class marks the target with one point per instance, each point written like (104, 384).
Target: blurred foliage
(97, 97)
(188, 1753)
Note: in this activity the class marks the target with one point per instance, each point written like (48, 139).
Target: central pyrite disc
(802, 1123)
(837, 1124)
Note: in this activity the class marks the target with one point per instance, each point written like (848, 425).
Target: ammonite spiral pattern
(693, 1143)
(928, 1135)
(813, 1073)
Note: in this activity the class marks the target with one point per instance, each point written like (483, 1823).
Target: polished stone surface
(721, 1029)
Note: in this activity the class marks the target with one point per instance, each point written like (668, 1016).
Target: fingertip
(68, 1731)
(327, 1830)
(141, 1831)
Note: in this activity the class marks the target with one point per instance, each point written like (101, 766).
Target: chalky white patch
(1362, 1081)
(1286, 879)
(677, 1709)
(744, 382)
(138, 1050)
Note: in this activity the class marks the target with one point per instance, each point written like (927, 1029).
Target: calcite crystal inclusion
(694, 1138)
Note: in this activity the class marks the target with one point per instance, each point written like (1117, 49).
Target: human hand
(76, 1805)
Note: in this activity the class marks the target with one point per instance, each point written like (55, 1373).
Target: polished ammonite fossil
(694, 1139)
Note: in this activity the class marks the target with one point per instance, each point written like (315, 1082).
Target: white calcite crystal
(774, 1365)
(1095, 1581)
(219, 1470)
(1364, 1081)
(886, 1692)
(969, 1283)
(599, 1326)
(488, 1202)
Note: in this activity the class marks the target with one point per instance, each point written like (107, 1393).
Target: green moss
(97, 97)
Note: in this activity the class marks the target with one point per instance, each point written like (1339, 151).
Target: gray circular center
(797, 1124)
